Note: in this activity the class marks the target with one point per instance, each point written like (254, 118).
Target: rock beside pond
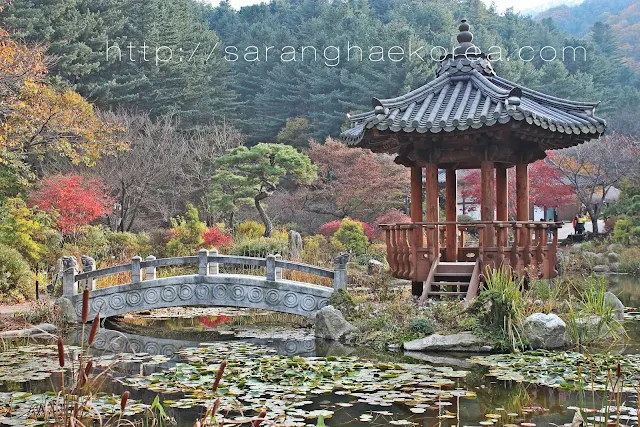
(463, 341)
(615, 267)
(330, 324)
(617, 307)
(43, 328)
(545, 331)
(601, 268)
(67, 310)
(374, 267)
(613, 257)
(591, 329)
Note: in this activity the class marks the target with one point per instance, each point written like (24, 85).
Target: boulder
(617, 307)
(590, 256)
(374, 267)
(601, 268)
(463, 341)
(615, 267)
(331, 325)
(613, 257)
(545, 331)
(615, 247)
(591, 329)
(575, 248)
(67, 310)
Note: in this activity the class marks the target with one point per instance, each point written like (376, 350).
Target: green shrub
(622, 230)
(17, 281)
(187, 233)
(422, 326)
(352, 236)
(25, 230)
(249, 230)
(260, 247)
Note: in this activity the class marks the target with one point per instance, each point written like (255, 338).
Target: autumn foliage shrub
(249, 230)
(26, 230)
(328, 229)
(214, 238)
(76, 200)
(17, 281)
(392, 216)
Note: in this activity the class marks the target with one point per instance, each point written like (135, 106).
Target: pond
(289, 372)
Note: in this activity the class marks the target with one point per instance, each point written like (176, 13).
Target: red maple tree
(75, 199)
(546, 187)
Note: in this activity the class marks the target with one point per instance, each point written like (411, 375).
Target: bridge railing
(208, 262)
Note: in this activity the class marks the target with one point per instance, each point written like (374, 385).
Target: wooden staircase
(459, 280)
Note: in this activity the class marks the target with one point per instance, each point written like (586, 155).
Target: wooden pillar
(488, 202)
(416, 215)
(416, 194)
(452, 215)
(431, 192)
(502, 195)
(522, 192)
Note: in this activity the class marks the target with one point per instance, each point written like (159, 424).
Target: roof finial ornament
(465, 39)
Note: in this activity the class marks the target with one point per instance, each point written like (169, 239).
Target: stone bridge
(207, 288)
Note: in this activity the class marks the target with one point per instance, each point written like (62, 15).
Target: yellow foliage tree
(36, 118)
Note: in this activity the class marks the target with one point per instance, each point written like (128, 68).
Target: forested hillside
(260, 91)
(623, 17)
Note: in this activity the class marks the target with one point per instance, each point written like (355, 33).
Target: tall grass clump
(591, 319)
(502, 304)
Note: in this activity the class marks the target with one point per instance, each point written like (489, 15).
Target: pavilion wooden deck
(420, 252)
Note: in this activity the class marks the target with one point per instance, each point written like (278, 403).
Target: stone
(591, 329)
(589, 256)
(295, 245)
(613, 257)
(545, 331)
(65, 306)
(41, 329)
(331, 324)
(617, 307)
(615, 247)
(453, 360)
(615, 267)
(575, 249)
(463, 341)
(601, 268)
(374, 267)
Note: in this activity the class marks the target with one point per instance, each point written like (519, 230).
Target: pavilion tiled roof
(468, 94)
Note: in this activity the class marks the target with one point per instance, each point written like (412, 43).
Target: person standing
(581, 223)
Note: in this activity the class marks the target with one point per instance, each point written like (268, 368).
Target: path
(8, 310)
(567, 229)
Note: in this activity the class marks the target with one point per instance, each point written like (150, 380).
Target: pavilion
(470, 118)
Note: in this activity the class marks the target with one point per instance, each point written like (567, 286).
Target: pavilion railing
(523, 245)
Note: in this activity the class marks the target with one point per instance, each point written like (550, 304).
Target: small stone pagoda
(470, 118)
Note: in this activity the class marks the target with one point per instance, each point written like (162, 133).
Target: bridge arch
(207, 288)
(225, 290)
